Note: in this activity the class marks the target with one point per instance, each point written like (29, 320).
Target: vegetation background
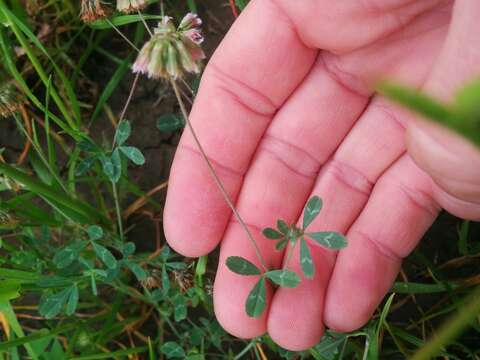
(84, 269)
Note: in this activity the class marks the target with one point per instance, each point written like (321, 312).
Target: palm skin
(286, 110)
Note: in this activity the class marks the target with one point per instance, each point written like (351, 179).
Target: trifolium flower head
(92, 10)
(128, 6)
(172, 52)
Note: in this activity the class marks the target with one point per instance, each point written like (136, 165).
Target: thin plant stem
(187, 85)
(245, 350)
(145, 23)
(162, 8)
(127, 103)
(218, 182)
(130, 95)
(122, 35)
(117, 210)
(114, 185)
(291, 248)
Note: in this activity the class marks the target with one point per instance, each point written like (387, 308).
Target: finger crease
(248, 97)
(383, 249)
(220, 168)
(350, 176)
(293, 157)
(420, 199)
(345, 80)
(388, 113)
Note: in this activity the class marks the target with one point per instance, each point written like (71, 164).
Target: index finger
(258, 65)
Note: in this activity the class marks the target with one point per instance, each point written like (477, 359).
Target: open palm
(286, 110)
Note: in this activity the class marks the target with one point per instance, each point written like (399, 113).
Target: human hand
(285, 111)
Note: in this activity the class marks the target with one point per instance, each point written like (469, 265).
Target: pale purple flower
(170, 52)
(195, 35)
(190, 21)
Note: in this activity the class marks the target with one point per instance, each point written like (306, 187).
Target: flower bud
(190, 21)
(92, 10)
(128, 6)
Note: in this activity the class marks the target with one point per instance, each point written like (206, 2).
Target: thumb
(452, 162)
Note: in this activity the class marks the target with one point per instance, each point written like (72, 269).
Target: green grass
(63, 230)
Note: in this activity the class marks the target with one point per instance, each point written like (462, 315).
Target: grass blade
(50, 193)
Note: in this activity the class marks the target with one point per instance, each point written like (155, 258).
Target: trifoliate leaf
(72, 300)
(331, 240)
(242, 266)
(68, 254)
(270, 233)
(84, 165)
(137, 270)
(312, 209)
(128, 249)
(105, 255)
(172, 350)
(170, 122)
(282, 226)
(282, 244)
(179, 307)
(284, 278)
(124, 130)
(51, 305)
(134, 154)
(257, 299)
(306, 261)
(94, 232)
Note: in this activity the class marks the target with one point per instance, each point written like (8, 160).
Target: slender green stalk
(117, 210)
(125, 107)
(114, 185)
(50, 146)
(452, 328)
(246, 349)
(145, 23)
(291, 249)
(122, 35)
(7, 310)
(217, 180)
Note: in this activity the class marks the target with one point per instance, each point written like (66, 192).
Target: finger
(237, 99)
(278, 182)
(341, 26)
(398, 213)
(451, 160)
(453, 163)
(345, 183)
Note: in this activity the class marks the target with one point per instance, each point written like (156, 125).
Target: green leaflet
(257, 299)
(242, 266)
(284, 278)
(329, 239)
(312, 209)
(306, 261)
